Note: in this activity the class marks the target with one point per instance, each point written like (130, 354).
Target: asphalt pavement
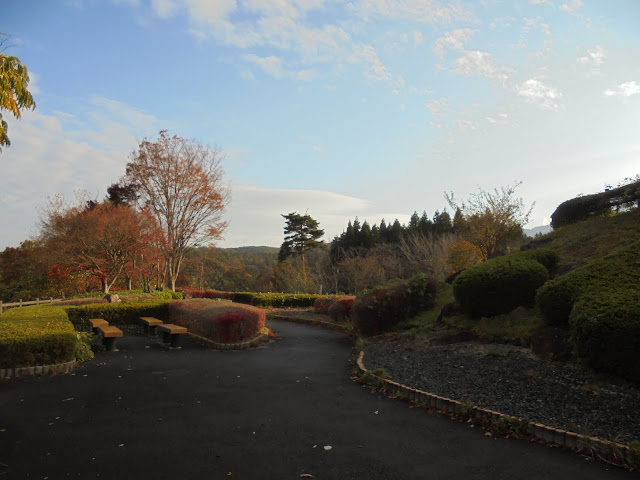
(286, 410)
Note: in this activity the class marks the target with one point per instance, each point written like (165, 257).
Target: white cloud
(272, 64)
(164, 8)
(626, 89)
(594, 57)
(478, 63)
(424, 11)
(571, 7)
(455, 39)
(255, 213)
(537, 92)
(539, 2)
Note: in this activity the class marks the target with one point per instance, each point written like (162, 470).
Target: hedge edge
(10, 372)
(611, 452)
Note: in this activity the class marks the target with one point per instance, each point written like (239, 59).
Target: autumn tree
(180, 182)
(490, 220)
(14, 95)
(100, 239)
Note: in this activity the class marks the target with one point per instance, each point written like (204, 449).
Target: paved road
(267, 413)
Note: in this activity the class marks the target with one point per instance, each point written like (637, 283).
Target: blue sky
(368, 108)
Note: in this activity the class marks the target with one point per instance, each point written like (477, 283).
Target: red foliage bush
(340, 309)
(221, 322)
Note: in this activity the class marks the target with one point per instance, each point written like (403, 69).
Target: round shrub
(547, 258)
(340, 309)
(499, 285)
(605, 327)
(221, 322)
(615, 271)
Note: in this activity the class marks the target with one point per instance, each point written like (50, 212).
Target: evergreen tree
(301, 234)
(425, 225)
(366, 238)
(396, 233)
(414, 223)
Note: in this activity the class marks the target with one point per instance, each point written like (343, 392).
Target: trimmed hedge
(383, 308)
(618, 270)
(221, 322)
(37, 335)
(547, 258)
(258, 299)
(605, 326)
(499, 285)
(117, 314)
(581, 208)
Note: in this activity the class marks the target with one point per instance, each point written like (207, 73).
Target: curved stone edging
(613, 452)
(230, 346)
(37, 370)
(306, 321)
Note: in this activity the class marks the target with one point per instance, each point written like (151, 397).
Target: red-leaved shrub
(340, 309)
(221, 322)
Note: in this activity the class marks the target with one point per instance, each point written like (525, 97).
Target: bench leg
(152, 330)
(166, 337)
(109, 344)
(175, 341)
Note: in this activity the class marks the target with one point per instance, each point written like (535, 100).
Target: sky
(335, 108)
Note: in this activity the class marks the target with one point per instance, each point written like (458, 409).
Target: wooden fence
(20, 303)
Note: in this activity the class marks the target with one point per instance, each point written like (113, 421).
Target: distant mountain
(532, 232)
(252, 249)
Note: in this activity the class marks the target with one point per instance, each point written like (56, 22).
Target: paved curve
(265, 413)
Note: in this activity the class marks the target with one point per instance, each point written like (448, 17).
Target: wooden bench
(96, 323)
(109, 336)
(150, 324)
(171, 333)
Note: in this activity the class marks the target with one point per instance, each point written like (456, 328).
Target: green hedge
(547, 258)
(258, 299)
(581, 208)
(605, 326)
(617, 270)
(116, 314)
(499, 285)
(37, 335)
(160, 294)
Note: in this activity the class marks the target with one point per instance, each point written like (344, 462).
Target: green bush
(381, 309)
(117, 314)
(499, 285)
(547, 258)
(605, 326)
(620, 269)
(38, 335)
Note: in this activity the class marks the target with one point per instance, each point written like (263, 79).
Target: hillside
(585, 241)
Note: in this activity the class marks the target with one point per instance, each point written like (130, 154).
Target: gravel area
(512, 380)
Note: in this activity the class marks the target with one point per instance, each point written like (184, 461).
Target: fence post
(50, 299)
(0, 307)
(37, 301)
(20, 301)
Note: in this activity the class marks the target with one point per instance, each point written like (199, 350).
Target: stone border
(229, 346)
(308, 321)
(37, 370)
(612, 452)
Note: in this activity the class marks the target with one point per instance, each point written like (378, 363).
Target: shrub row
(380, 309)
(159, 294)
(37, 335)
(581, 208)
(501, 284)
(117, 313)
(221, 322)
(338, 307)
(257, 299)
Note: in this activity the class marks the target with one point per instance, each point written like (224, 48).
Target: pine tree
(301, 234)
